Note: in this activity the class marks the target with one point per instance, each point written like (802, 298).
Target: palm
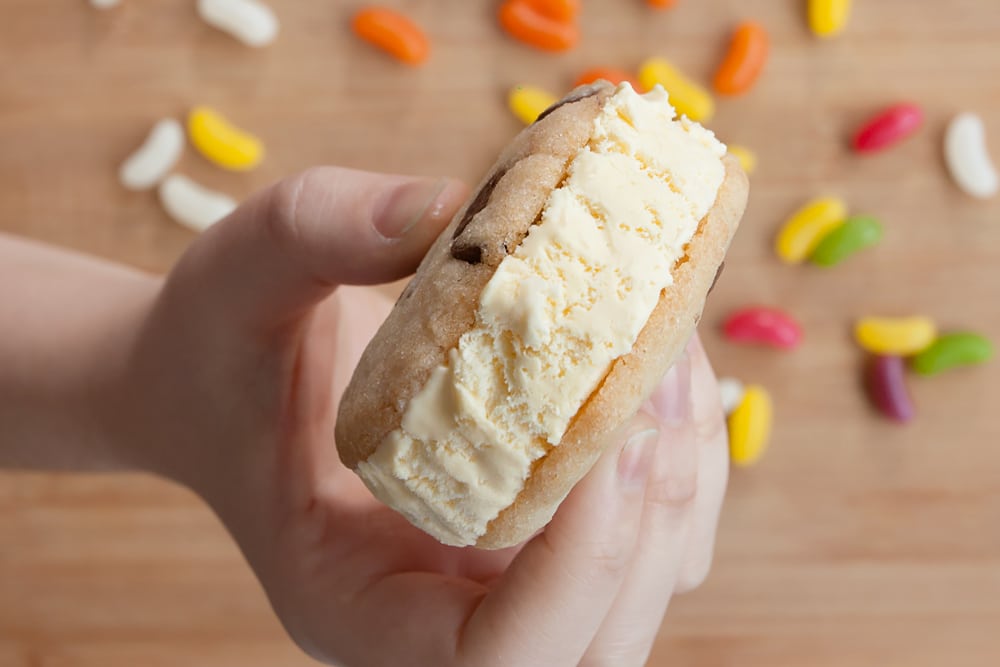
(336, 538)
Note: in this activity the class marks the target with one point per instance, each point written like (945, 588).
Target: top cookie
(439, 303)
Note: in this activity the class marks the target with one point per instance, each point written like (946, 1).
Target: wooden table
(853, 542)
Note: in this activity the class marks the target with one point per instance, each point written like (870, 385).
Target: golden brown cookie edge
(633, 376)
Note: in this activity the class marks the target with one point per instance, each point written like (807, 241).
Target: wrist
(112, 403)
(67, 318)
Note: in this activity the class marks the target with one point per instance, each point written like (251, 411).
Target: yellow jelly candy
(747, 158)
(687, 97)
(899, 336)
(528, 102)
(222, 142)
(750, 426)
(827, 18)
(807, 227)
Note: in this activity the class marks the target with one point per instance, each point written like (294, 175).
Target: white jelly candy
(250, 21)
(731, 394)
(155, 158)
(193, 205)
(104, 4)
(967, 156)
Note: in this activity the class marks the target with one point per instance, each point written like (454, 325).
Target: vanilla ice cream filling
(551, 321)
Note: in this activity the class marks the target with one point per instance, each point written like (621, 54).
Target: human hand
(233, 386)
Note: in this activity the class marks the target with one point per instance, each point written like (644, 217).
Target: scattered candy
(250, 21)
(528, 102)
(901, 336)
(731, 393)
(525, 23)
(392, 32)
(857, 233)
(886, 381)
(828, 18)
(806, 228)
(747, 158)
(968, 158)
(609, 74)
(687, 97)
(765, 326)
(744, 61)
(888, 128)
(951, 351)
(192, 205)
(222, 142)
(104, 4)
(750, 426)
(155, 158)
(558, 10)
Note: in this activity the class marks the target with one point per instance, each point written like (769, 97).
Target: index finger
(551, 601)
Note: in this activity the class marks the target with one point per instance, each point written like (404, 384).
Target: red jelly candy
(766, 326)
(888, 128)
(886, 381)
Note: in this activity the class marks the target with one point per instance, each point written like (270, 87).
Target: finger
(288, 246)
(340, 329)
(550, 602)
(628, 632)
(713, 470)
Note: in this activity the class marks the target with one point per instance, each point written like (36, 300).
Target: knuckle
(281, 212)
(610, 557)
(604, 558)
(674, 489)
(287, 195)
(287, 226)
(712, 427)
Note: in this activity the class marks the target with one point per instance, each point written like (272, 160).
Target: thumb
(289, 246)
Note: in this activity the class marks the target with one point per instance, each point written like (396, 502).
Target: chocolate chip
(411, 287)
(718, 272)
(579, 94)
(471, 254)
(479, 202)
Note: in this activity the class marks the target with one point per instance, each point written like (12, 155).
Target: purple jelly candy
(887, 388)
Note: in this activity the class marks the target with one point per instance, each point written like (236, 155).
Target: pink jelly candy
(888, 128)
(887, 388)
(765, 326)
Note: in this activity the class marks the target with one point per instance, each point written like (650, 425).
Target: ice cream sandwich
(542, 317)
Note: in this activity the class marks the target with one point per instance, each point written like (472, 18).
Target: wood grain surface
(852, 543)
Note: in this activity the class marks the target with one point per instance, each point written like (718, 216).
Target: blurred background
(854, 541)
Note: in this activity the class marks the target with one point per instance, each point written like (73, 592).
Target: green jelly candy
(857, 233)
(951, 351)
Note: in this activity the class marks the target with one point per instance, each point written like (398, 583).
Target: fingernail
(408, 205)
(672, 399)
(636, 458)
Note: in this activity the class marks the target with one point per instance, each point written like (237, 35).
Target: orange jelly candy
(559, 10)
(744, 61)
(526, 23)
(393, 33)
